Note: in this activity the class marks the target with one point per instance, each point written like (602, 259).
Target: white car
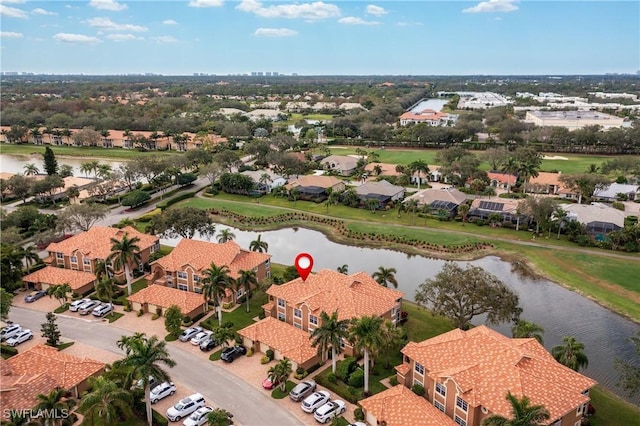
(21, 337)
(189, 333)
(198, 418)
(329, 410)
(201, 337)
(9, 331)
(163, 390)
(315, 400)
(185, 406)
(76, 304)
(102, 310)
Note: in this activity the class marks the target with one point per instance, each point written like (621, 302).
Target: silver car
(76, 304)
(163, 390)
(314, 401)
(21, 337)
(302, 390)
(88, 307)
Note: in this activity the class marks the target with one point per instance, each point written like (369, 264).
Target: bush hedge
(345, 368)
(356, 379)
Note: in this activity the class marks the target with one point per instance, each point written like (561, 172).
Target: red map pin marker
(304, 265)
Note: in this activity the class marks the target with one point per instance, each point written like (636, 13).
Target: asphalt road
(249, 406)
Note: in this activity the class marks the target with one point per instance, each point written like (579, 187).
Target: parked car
(198, 418)
(233, 352)
(76, 304)
(189, 333)
(35, 295)
(269, 384)
(358, 424)
(88, 307)
(315, 400)
(22, 336)
(152, 383)
(161, 391)
(9, 331)
(208, 344)
(200, 337)
(185, 406)
(329, 410)
(102, 310)
(301, 390)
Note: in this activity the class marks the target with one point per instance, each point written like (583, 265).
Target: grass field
(72, 151)
(611, 410)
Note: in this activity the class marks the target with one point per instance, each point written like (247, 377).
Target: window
(297, 313)
(438, 405)
(155, 247)
(266, 262)
(296, 325)
(59, 256)
(196, 278)
(281, 316)
(74, 259)
(313, 320)
(281, 303)
(459, 421)
(419, 368)
(86, 261)
(183, 287)
(461, 403)
(441, 389)
(558, 423)
(197, 289)
(417, 382)
(342, 343)
(182, 275)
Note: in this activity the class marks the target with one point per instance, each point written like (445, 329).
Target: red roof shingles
(159, 295)
(96, 242)
(55, 276)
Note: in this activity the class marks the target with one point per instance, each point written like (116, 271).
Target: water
(434, 104)
(559, 311)
(15, 163)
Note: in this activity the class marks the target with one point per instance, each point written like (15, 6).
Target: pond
(559, 311)
(15, 163)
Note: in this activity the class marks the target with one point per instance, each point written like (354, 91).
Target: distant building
(610, 193)
(381, 191)
(341, 164)
(428, 116)
(573, 120)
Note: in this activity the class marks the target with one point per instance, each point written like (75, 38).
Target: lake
(15, 163)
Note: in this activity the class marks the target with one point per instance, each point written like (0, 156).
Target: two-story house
(467, 375)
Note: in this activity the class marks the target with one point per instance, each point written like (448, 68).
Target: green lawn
(422, 324)
(611, 410)
(239, 316)
(71, 151)
(114, 316)
(278, 394)
(136, 286)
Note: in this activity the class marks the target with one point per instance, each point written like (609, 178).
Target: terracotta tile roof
(546, 178)
(319, 181)
(56, 276)
(200, 254)
(486, 365)
(20, 392)
(502, 177)
(403, 368)
(399, 406)
(351, 296)
(290, 341)
(96, 242)
(425, 115)
(164, 297)
(387, 169)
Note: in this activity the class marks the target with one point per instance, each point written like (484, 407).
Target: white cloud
(8, 34)
(12, 12)
(111, 5)
(39, 11)
(372, 9)
(352, 20)
(13, 1)
(75, 38)
(315, 10)
(409, 24)
(122, 37)
(165, 39)
(107, 24)
(275, 32)
(169, 22)
(206, 3)
(492, 6)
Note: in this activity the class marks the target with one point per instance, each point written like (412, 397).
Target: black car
(208, 344)
(229, 354)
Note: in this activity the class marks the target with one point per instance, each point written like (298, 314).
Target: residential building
(501, 180)
(546, 183)
(79, 281)
(265, 180)
(428, 116)
(467, 375)
(341, 164)
(598, 218)
(434, 175)
(573, 120)
(316, 188)
(505, 207)
(157, 298)
(381, 191)
(613, 192)
(386, 169)
(437, 200)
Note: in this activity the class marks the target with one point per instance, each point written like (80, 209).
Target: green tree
(105, 290)
(223, 335)
(585, 184)
(571, 353)
(20, 186)
(420, 167)
(344, 269)
(55, 402)
(365, 335)
(72, 193)
(30, 254)
(6, 300)
(60, 292)
(185, 222)
(31, 170)
(107, 402)
(463, 212)
(83, 216)
(135, 198)
(173, 320)
(526, 329)
(50, 330)
(280, 372)
(226, 235)
(216, 281)
(524, 414)
(50, 162)
(246, 280)
(392, 338)
(219, 417)
(329, 334)
(385, 276)
(630, 370)
(125, 252)
(259, 245)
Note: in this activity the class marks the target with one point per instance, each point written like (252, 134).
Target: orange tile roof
(96, 242)
(425, 115)
(164, 297)
(20, 392)
(399, 406)
(486, 365)
(352, 296)
(546, 178)
(55, 276)
(200, 254)
(290, 341)
(387, 169)
(320, 181)
(403, 368)
(502, 177)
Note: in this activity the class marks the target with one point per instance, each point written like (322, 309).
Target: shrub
(393, 381)
(250, 352)
(140, 313)
(358, 414)
(264, 360)
(159, 419)
(155, 316)
(345, 368)
(332, 378)
(618, 206)
(127, 306)
(418, 389)
(357, 379)
(148, 216)
(269, 354)
(8, 350)
(300, 370)
(262, 315)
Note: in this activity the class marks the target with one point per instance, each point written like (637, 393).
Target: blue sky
(320, 37)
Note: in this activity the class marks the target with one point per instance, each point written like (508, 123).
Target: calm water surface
(16, 163)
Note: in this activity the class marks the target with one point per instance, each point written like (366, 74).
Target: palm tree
(463, 211)
(329, 334)
(125, 344)
(265, 180)
(219, 417)
(106, 402)
(528, 168)
(89, 167)
(215, 283)
(377, 169)
(526, 329)
(103, 270)
(105, 290)
(344, 269)
(366, 335)
(246, 280)
(510, 167)
(60, 292)
(560, 216)
(30, 254)
(31, 169)
(412, 206)
(524, 414)
(259, 245)
(392, 338)
(419, 166)
(385, 276)
(72, 192)
(226, 235)
(146, 356)
(54, 402)
(280, 373)
(124, 252)
(103, 171)
(571, 354)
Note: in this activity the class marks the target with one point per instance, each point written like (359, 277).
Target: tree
(83, 216)
(184, 179)
(89, 167)
(223, 335)
(541, 209)
(72, 192)
(50, 162)
(496, 157)
(6, 300)
(226, 235)
(329, 334)
(392, 338)
(135, 198)
(560, 215)
(106, 403)
(280, 373)
(30, 254)
(246, 280)
(420, 167)
(463, 211)
(31, 170)
(219, 417)
(526, 329)
(211, 171)
(365, 335)
(630, 370)
(48, 187)
(585, 184)
(461, 294)
(173, 320)
(185, 222)
(125, 252)
(146, 357)
(20, 186)
(571, 353)
(60, 292)
(105, 290)
(86, 137)
(216, 281)
(385, 276)
(344, 269)
(50, 330)
(259, 245)
(56, 404)
(524, 414)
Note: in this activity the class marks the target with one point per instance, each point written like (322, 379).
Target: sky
(421, 37)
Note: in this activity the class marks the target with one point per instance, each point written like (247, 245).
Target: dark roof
(443, 205)
(490, 205)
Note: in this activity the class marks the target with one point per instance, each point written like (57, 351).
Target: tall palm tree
(511, 167)
(30, 254)
(412, 206)
(125, 342)
(124, 252)
(103, 171)
(146, 358)
(31, 169)
(259, 245)
(528, 168)
(421, 167)
(88, 167)
(60, 292)
(560, 216)
(463, 211)
(226, 235)
(392, 338)
(385, 276)
(265, 180)
(103, 270)
(105, 290)
(280, 373)
(571, 353)
(54, 402)
(246, 280)
(526, 329)
(365, 335)
(329, 334)
(344, 269)
(106, 402)
(524, 414)
(214, 285)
